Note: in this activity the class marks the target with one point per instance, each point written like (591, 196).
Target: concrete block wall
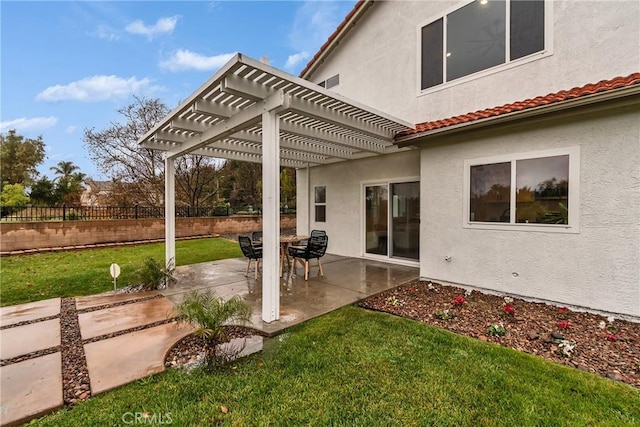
(15, 236)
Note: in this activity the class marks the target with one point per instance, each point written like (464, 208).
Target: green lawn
(353, 367)
(85, 272)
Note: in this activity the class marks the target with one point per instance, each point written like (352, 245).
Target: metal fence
(76, 213)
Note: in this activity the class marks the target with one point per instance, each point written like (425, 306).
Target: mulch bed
(602, 345)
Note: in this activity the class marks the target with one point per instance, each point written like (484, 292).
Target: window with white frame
(478, 36)
(536, 190)
(321, 203)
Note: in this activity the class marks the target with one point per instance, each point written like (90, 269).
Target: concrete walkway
(125, 337)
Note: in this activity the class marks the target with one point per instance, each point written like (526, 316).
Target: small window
(531, 190)
(321, 203)
(474, 38)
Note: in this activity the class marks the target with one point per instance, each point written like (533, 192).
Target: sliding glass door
(392, 220)
(376, 219)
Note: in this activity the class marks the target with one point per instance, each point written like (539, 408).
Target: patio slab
(129, 357)
(30, 388)
(82, 303)
(29, 312)
(25, 339)
(115, 319)
(346, 281)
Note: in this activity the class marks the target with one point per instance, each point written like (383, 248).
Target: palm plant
(209, 313)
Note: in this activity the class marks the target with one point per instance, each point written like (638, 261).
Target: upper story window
(529, 191)
(478, 36)
(330, 82)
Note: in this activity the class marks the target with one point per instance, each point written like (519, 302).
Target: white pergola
(252, 112)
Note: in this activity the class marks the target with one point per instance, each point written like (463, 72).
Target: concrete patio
(125, 337)
(345, 281)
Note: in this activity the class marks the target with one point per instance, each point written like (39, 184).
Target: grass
(354, 367)
(36, 277)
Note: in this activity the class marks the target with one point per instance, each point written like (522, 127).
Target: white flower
(508, 300)
(467, 292)
(431, 287)
(602, 324)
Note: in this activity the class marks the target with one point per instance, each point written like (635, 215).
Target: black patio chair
(256, 239)
(314, 233)
(315, 249)
(251, 252)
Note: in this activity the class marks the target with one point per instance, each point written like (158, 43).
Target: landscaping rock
(619, 359)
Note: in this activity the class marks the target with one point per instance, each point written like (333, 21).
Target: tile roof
(539, 101)
(359, 4)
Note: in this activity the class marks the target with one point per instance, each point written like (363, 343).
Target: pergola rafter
(252, 112)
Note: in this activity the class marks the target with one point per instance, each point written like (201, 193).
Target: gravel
(601, 345)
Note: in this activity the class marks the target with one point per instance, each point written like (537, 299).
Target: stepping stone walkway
(122, 338)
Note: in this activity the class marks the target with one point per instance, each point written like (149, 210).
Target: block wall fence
(40, 235)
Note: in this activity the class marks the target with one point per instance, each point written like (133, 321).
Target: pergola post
(270, 216)
(169, 212)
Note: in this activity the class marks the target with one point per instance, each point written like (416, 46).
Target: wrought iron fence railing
(77, 213)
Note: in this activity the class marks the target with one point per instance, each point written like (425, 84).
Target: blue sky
(67, 66)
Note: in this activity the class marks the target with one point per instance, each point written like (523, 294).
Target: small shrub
(445, 315)
(565, 348)
(509, 310)
(74, 216)
(153, 275)
(496, 330)
(459, 300)
(563, 324)
(562, 313)
(208, 313)
(394, 301)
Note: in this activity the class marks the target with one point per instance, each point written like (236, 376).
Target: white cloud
(295, 59)
(33, 124)
(70, 129)
(97, 88)
(313, 24)
(186, 60)
(162, 26)
(105, 33)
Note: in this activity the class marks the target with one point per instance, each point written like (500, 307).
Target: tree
(19, 158)
(116, 152)
(13, 196)
(64, 170)
(241, 183)
(43, 191)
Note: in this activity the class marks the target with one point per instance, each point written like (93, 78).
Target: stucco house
(525, 173)
(494, 144)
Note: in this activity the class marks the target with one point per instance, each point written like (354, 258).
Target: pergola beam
(247, 89)
(247, 117)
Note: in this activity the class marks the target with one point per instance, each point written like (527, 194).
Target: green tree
(13, 196)
(43, 191)
(64, 170)
(19, 158)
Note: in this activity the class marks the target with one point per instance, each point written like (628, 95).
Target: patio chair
(256, 239)
(314, 233)
(315, 249)
(251, 252)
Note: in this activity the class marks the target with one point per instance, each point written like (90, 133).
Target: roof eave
(334, 39)
(583, 101)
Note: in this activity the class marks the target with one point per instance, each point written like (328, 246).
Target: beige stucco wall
(377, 61)
(344, 184)
(598, 268)
(38, 235)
